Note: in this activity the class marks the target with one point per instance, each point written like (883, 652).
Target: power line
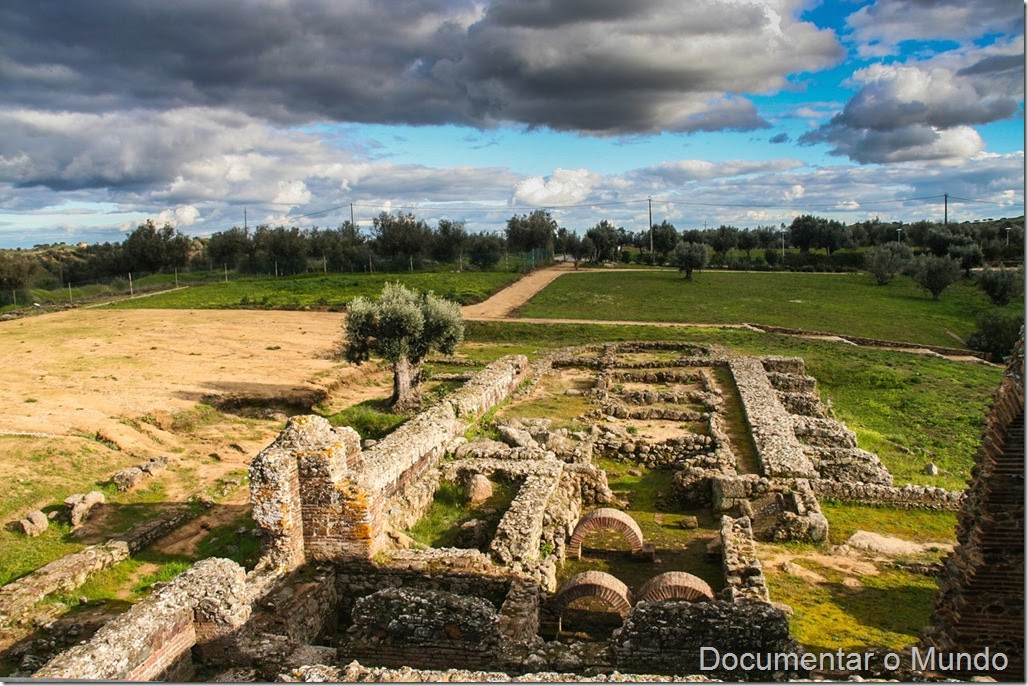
(442, 205)
(989, 202)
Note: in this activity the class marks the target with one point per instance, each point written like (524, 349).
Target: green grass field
(910, 409)
(322, 290)
(837, 303)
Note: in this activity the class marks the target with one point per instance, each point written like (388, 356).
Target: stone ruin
(981, 591)
(341, 593)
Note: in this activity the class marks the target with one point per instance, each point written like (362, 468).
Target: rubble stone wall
(520, 531)
(398, 627)
(908, 496)
(202, 606)
(780, 453)
(744, 575)
(666, 637)
(453, 570)
(64, 574)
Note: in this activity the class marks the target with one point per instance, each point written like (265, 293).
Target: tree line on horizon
(403, 242)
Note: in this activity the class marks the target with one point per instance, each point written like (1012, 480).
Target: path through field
(503, 305)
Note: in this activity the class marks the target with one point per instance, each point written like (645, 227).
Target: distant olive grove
(404, 242)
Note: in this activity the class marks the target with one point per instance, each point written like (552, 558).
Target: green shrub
(1001, 285)
(997, 333)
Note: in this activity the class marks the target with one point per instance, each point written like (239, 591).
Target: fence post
(131, 292)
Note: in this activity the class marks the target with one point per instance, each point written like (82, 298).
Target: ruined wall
(453, 570)
(318, 497)
(398, 627)
(779, 509)
(907, 496)
(780, 453)
(666, 637)
(64, 574)
(981, 592)
(744, 575)
(201, 607)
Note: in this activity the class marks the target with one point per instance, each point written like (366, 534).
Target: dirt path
(503, 303)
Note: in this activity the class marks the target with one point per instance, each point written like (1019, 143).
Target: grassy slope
(836, 303)
(322, 290)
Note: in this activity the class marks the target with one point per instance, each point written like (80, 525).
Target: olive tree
(886, 261)
(403, 327)
(690, 257)
(935, 274)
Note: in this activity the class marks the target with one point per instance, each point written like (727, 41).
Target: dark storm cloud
(602, 67)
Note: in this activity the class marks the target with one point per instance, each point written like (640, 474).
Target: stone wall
(453, 570)
(981, 592)
(907, 496)
(204, 606)
(67, 573)
(779, 509)
(520, 531)
(398, 627)
(355, 672)
(780, 453)
(744, 575)
(64, 574)
(667, 637)
(318, 497)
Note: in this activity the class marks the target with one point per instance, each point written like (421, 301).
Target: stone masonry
(981, 592)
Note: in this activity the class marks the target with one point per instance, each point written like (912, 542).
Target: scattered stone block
(33, 524)
(479, 489)
(689, 522)
(473, 533)
(154, 465)
(80, 506)
(930, 469)
(127, 479)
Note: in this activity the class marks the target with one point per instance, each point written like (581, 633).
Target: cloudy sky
(722, 111)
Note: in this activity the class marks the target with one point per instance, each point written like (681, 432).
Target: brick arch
(596, 584)
(605, 518)
(675, 586)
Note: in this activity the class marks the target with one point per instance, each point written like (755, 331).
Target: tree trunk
(406, 385)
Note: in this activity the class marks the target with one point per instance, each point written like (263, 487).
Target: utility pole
(245, 228)
(649, 204)
(1008, 236)
(351, 216)
(130, 284)
(945, 210)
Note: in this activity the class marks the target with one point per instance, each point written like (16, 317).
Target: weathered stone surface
(781, 455)
(478, 489)
(81, 505)
(33, 524)
(668, 636)
(127, 479)
(65, 574)
(397, 626)
(154, 465)
(154, 634)
(744, 575)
